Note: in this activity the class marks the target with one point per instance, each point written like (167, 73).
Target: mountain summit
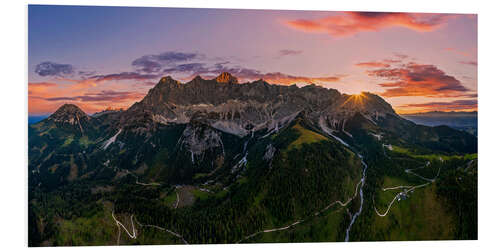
(68, 109)
(70, 115)
(225, 77)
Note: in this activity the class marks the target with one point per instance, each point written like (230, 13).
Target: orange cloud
(40, 86)
(419, 80)
(392, 60)
(46, 97)
(123, 76)
(373, 64)
(456, 105)
(472, 63)
(351, 23)
(102, 96)
(284, 79)
(458, 52)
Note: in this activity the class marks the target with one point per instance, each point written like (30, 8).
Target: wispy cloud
(122, 76)
(154, 63)
(472, 63)
(86, 74)
(392, 60)
(198, 68)
(401, 56)
(351, 23)
(457, 105)
(373, 64)
(288, 52)
(39, 86)
(286, 79)
(458, 52)
(105, 95)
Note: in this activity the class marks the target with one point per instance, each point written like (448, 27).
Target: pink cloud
(414, 79)
(373, 64)
(351, 23)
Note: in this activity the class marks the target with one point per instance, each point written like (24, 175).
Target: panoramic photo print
(160, 126)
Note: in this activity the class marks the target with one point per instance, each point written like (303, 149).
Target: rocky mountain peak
(168, 80)
(198, 78)
(69, 113)
(225, 77)
(69, 109)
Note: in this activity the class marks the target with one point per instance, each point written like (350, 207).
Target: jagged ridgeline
(218, 161)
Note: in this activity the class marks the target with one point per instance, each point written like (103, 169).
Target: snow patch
(230, 128)
(329, 132)
(378, 136)
(111, 140)
(240, 164)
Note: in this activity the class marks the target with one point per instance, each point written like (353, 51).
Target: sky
(109, 57)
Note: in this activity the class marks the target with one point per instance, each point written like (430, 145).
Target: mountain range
(465, 121)
(218, 161)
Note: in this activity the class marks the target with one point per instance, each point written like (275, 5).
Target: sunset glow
(101, 57)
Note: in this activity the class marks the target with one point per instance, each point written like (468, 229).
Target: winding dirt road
(132, 235)
(164, 229)
(177, 202)
(407, 188)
